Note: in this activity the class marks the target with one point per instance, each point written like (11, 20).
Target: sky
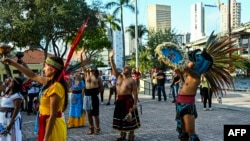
(180, 13)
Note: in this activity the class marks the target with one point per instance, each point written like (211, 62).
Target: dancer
(77, 116)
(10, 116)
(125, 117)
(94, 86)
(53, 98)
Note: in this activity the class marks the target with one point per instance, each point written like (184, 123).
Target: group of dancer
(53, 96)
(53, 101)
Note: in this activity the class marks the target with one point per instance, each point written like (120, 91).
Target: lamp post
(229, 29)
(136, 37)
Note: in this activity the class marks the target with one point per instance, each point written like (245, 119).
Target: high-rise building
(117, 46)
(235, 14)
(129, 44)
(197, 21)
(159, 17)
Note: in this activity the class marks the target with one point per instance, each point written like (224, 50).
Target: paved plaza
(158, 120)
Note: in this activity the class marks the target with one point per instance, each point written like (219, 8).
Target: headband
(54, 64)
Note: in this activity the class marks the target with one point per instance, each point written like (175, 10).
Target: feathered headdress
(221, 50)
(215, 61)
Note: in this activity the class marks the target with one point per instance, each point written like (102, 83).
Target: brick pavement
(157, 120)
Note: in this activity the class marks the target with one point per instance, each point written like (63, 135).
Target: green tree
(25, 23)
(118, 6)
(145, 61)
(94, 41)
(113, 24)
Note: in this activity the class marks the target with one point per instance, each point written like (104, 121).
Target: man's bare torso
(91, 82)
(190, 85)
(124, 86)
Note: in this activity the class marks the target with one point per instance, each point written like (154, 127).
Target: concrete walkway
(158, 120)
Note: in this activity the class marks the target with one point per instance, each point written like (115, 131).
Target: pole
(229, 28)
(229, 18)
(136, 36)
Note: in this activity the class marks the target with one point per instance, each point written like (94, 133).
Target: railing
(145, 86)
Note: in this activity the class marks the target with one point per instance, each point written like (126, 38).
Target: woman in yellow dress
(53, 98)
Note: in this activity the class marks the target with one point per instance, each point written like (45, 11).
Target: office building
(117, 46)
(197, 21)
(235, 14)
(159, 17)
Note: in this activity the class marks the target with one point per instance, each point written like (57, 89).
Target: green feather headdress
(221, 50)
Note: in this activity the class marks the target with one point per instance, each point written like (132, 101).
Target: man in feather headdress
(212, 62)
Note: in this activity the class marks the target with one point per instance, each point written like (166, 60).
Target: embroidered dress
(77, 117)
(5, 117)
(59, 131)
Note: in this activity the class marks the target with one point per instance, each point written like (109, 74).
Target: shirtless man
(94, 86)
(185, 104)
(125, 114)
(199, 63)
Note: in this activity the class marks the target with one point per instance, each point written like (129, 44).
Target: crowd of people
(51, 92)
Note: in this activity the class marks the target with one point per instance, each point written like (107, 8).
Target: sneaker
(204, 109)
(210, 109)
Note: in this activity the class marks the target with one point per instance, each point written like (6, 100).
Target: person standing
(154, 82)
(185, 105)
(207, 93)
(94, 86)
(112, 88)
(53, 98)
(175, 86)
(103, 77)
(77, 116)
(33, 92)
(186, 111)
(136, 76)
(161, 79)
(125, 118)
(10, 117)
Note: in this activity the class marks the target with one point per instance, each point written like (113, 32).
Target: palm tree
(119, 5)
(145, 60)
(142, 30)
(112, 24)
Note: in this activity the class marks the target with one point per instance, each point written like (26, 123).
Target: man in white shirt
(112, 88)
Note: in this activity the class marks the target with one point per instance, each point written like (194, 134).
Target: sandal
(97, 131)
(131, 137)
(121, 139)
(91, 131)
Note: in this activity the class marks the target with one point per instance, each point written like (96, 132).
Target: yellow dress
(59, 131)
